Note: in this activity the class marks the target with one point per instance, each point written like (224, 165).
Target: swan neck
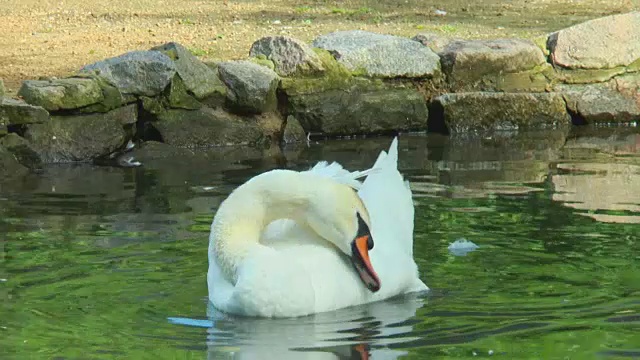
(243, 216)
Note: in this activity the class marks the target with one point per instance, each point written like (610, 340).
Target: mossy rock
(348, 112)
(22, 150)
(335, 77)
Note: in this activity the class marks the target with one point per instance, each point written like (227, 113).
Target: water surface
(103, 263)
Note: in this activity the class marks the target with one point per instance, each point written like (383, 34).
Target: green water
(101, 263)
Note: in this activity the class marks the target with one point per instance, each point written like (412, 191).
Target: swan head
(340, 217)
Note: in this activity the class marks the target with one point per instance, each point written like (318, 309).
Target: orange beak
(360, 258)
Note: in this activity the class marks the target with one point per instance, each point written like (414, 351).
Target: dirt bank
(54, 37)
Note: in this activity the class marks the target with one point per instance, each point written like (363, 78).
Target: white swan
(288, 243)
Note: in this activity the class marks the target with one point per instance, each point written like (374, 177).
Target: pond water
(106, 263)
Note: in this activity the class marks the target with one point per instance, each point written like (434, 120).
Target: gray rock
(293, 131)
(10, 167)
(22, 150)
(602, 43)
(81, 137)
(339, 112)
(435, 42)
(612, 102)
(251, 87)
(482, 111)
(380, 55)
(137, 72)
(61, 94)
(206, 127)
(289, 55)
(198, 78)
(493, 64)
(18, 112)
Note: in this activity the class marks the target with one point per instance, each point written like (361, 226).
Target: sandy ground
(41, 38)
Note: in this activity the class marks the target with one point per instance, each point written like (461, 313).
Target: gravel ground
(42, 38)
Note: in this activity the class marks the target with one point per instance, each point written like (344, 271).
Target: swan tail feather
(387, 197)
(336, 172)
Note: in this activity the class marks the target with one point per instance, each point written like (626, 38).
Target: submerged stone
(76, 138)
(289, 56)
(293, 131)
(482, 111)
(380, 55)
(342, 112)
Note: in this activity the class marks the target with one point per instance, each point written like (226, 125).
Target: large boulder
(22, 150)
(489, 65)
(76, 138)
(198, 78)
(137, 72)
(251, 88)
(61, 94)
(615, 101)
(342, 112)
(290, 56)
(18, 112)
(482, 111)
(379, 55)
(604, 43)
(206, 127)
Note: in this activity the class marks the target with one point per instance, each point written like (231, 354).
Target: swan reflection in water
(359, 332)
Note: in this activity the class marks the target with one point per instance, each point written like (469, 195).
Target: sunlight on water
(105, 263)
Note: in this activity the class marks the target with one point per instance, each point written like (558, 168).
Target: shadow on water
(96, 259)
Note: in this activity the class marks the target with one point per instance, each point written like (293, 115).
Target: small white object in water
(276, 22)
(439, 12)
(3, 280)
(461, 247)
(490, 352)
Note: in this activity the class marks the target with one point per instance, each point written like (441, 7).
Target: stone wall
(343, 83)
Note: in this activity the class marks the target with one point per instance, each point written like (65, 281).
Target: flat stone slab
(339, 112)
(251, 88)
(380, 55)
(77, 138)
(137, 72)
(434, 41)
(61, 94)
(481, 111)
(602, 43)
(18, 112)
(613, 102)
(476, 58)
(289, 55)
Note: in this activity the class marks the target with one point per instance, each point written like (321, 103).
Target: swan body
(288, 243)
